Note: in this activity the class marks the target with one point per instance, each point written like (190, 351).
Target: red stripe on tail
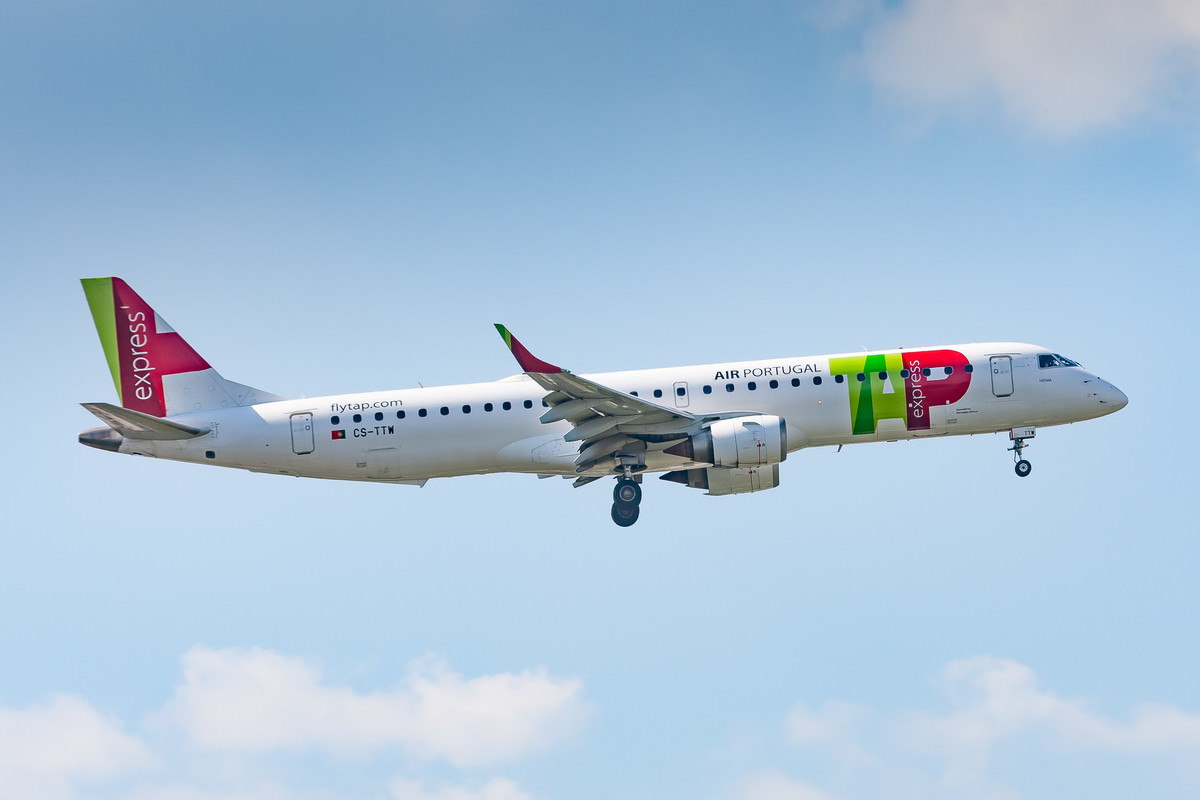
(146, 354)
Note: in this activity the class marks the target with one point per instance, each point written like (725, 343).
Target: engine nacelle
(736, 443)
(718, 480)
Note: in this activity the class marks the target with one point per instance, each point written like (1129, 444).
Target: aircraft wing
(608, 423)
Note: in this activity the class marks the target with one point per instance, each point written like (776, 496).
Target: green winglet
(505, 335)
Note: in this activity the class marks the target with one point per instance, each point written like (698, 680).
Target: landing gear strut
(1018, 436)
(627, 497)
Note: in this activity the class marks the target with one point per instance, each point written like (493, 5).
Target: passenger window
(358, 417)
(529, 404)
(816, 380)
(949, 370)
(679, 391)
(335, 420)
(658, 392)
(752, 386)
(445, 411)
(635, 394)
(968, 368)
(839, 378)
(545, 404)
(904, 373)
(507, 406)
(488, 406)
(400, 414)
(422, 412)
(708, 390)
(795, 382)
(379, 416)
(861, 377)
(466, 409)
(883, 376)
(729, 387)
(774, 384)
(927, 372)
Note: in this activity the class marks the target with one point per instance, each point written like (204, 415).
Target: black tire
(627, 492)
(1023, 468)
(625, 514)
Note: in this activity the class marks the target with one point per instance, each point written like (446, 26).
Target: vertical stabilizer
(155, 371)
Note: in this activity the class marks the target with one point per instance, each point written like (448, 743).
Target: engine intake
(739, 442)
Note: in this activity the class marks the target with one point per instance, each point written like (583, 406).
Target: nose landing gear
(1018, 436)
(627, 498)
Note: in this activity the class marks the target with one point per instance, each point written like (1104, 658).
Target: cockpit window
(1055, 360)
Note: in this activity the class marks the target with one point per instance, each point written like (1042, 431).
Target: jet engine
(735, 443)
(718, 480)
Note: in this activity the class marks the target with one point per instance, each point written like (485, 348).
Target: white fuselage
(411, 435)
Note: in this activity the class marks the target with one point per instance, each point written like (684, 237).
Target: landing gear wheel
(1023, 467)
(625, 514)
(627, 491)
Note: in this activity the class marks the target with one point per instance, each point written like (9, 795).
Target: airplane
(724, 428)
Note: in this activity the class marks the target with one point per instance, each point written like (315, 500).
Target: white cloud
(256, 790)
(832, 726)
(772, 785)
(235, 706)
(991, 702)
(999, 699)
(45, 749)
(495, 789)
(1057, 67)
(257, 700)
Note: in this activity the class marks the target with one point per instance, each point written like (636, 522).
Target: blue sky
(330, 199)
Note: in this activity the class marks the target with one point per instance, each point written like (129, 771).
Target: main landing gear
(627, 497)
(1018, 436)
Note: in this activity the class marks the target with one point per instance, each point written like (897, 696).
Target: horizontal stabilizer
(136, 425)
(155, 371)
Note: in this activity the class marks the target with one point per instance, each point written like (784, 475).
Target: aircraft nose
(1112, 397)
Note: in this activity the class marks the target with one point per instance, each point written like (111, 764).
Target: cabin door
(681, 394)
(1002, 380)
(302, 434)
